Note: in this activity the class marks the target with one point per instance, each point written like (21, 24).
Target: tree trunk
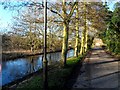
(82, 43)
(86, 39)
(31, 49)
(30, 37)
(84, 34)
(65, 42)
(66, 20)
(77, 32)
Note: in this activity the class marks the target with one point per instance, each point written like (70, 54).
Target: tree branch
(56, 12)
(53, 11)
(73, 8)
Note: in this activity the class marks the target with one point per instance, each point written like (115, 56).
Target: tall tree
(113, 30)
(84, 33)
(77, 30)
(66, 20)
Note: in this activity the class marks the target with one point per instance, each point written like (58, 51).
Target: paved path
(99, 70)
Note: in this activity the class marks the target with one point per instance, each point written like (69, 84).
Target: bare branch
(73, 8)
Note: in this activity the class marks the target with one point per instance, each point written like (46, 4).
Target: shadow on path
(99, 70)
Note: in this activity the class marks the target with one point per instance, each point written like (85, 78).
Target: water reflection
(15, 69)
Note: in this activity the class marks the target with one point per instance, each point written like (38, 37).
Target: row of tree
(69, 23)
(79, 15)
(15, 42)
(111, 36)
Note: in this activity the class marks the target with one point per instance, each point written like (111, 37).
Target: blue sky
(6, 17)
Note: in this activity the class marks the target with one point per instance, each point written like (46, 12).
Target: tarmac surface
(99, 70)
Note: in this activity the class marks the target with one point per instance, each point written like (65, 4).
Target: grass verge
(56, 77)
(117, 55)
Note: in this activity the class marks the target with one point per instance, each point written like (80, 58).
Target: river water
(18, 68)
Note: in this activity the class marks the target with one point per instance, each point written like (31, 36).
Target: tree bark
(84, 34)
(86, 30)
(86, 39)
(66, 20)
(77, 32)
(82, 49)
(65, 42)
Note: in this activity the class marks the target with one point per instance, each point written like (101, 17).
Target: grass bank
(117, 55)
(57, 77)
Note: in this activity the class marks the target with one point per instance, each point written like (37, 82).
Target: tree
(111, 35)
(6, 42)
(77, 31)
(65, 16)
(66, 20)
(84, 33)
(27, 25)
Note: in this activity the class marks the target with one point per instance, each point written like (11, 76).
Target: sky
(6, 16)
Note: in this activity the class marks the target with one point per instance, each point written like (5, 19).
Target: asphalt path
(100, 70)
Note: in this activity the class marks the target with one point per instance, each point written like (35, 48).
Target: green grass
(56, 77)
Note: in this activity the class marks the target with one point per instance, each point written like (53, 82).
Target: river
(18, 68)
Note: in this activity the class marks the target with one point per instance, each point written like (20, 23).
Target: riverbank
(57, 76)
(14, 55)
